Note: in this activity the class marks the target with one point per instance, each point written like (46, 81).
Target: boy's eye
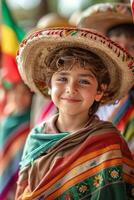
(84, 82)
(62, 79)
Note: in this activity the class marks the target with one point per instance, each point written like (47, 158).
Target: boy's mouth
(70, 99)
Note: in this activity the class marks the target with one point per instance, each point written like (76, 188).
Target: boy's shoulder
(107, 129)
(44, 126)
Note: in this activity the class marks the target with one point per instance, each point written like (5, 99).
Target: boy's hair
(65, 58)
(121, 29)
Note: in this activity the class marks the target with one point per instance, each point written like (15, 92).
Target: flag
(11, 36)
(132, 7)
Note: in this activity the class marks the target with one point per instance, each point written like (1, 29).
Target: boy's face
(125, 42)
(74, 91)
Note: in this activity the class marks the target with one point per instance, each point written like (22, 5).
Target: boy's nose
(71, 88)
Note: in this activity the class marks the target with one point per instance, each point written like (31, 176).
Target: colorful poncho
(93, 163)
(13, 132)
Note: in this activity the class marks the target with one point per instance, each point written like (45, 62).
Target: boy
(74, 155)
(115, 21)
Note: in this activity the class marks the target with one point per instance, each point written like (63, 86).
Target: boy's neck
(71, 123)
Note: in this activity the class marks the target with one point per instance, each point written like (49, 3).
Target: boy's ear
(99, 96)
(49, 91)
(100, 92)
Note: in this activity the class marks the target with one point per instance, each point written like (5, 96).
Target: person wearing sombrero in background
(14, 128)
(115, 21)
(74, 155)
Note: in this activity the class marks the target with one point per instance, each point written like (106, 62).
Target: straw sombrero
(34, 49)
(103, 16)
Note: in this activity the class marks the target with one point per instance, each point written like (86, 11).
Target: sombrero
(34, 49)
(103, 16)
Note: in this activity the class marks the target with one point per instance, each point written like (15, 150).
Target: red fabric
(132, 6)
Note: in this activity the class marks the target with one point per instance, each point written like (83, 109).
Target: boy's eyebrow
(81, 75)
(63, 73)
(87, 75)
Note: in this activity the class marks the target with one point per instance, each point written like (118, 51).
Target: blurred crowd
(21, 109)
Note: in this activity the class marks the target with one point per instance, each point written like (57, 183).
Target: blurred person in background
(115, 21)
(15, 106)
(14, 128)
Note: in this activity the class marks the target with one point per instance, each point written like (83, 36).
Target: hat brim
(117, 60)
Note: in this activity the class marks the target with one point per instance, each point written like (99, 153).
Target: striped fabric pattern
(124, 118)
(97, 166)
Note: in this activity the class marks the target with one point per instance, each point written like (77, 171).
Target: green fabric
(11, 124)
(37, 143)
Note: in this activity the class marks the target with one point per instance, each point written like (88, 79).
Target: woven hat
(34, 49)
(103, 16)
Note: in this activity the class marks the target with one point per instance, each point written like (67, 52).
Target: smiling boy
(75, 155)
